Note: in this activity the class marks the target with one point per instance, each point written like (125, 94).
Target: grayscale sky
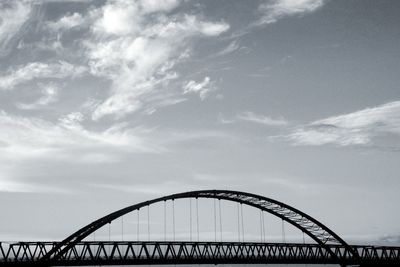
(107, 103)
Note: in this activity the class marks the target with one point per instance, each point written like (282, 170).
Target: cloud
(24, 138)
(49, 95)
(13, 14)
(358, 128)
(150, 6)
(38, 70)
(250, 116)
(67, 22)
(390, 238)
(273, 10)
(261, 119)
(233, 46)
(212, 28)
(203, 89)
(136, 44)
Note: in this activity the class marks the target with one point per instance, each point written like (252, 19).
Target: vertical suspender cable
(197, 219)
(122, 228)
(215, 221)
(190, 222)
(304, 239)
(283, 231)
(238, 221)
(241, 211)
(109, 237)
(109, 231)
(261, 228)
(165, 220)
(137, 225)
(148, 223)
(263, 225)
(173, 218)
(220, 219)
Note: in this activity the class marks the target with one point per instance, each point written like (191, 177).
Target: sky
(107, 103)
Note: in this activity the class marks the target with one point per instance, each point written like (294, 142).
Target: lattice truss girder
(164, 252)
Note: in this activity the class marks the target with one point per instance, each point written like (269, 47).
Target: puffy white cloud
(213, 29)
(119, 18)
(273, 10)
(49, 95)
(136, 46)
(126, 17)
(150, 6)
(38, 70)
(203, 89)
(357, 128)
(13, 14)
(67, 22)
(133, 44)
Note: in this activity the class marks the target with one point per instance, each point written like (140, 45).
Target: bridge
(323, 246)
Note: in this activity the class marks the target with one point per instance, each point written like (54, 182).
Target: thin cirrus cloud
(249, 116)
(363, 127)
(39, 70)
(49, 95)
(261, 119)
(136, 45)
(232, 47)
(24, 137)
(13, 15)
(273, 10)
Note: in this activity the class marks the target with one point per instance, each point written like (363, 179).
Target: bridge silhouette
(326, 247)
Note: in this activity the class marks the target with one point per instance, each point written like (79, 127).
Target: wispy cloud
(203, 89)
(39, 70)
(273, 10)
(13, 14)
(261, 73)
(49, 95)
(358, 128)
(390, 238)
(231, 47)
(23, 137)
(250, 116)
(261, 119)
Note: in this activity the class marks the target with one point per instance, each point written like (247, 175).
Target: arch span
(310, 226)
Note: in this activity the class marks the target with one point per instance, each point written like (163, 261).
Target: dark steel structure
(329, 247)
(163, 253)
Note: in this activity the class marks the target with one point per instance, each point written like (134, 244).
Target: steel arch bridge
(328, 249)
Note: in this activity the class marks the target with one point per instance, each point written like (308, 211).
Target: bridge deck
(161, 253)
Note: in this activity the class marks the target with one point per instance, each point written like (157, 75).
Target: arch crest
(310, 226)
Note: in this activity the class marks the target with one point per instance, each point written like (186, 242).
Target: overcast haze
(107, 103)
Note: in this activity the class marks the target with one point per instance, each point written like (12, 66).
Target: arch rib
(312, 227)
